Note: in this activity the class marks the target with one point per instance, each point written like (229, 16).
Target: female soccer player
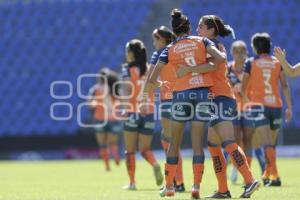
(221, 128)
(162, 37)
(107, 127)
(190, 96)
(138, 129)
(243, 126)
(288, 69)
(263, 72)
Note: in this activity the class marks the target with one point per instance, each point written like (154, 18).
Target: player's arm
(245, 81)
(219, 56)
(202, 68)
(288, 69)
(148, 85)
(287, 96)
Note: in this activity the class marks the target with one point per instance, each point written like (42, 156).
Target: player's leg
(101, 138)
(146, 130)
(248, 131)
(165, 140)
(113, 142)
(258, 150)
(219, 164)
(239, 140)
(197, 137)
(224, 128)
(130, 142)
(275, 126)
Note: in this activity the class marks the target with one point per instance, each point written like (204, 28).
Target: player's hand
(288, 115)
(279, 53)
(183, 70)
(222, 48)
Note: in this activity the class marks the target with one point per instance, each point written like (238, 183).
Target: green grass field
(86, 180)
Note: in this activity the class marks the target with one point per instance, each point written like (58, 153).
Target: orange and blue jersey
(221, 85)
(264, 71)
(191, 51)
(131, 73)
(98, 96)
(165, 75)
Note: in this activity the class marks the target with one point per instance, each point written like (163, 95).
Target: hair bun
(176, 13)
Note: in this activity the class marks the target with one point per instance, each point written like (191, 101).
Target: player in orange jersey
(162, 37)
(243, 128)
(107, 127)
(221, 128)
(138, 128)
(263, 72)
(190, 96)
(288, 68)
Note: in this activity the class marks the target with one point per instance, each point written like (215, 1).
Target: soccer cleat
(234, 175)
(180, 188)
(266, 181)
(158, 175)
(167, 191)
(250, 188)
(131, 187)
(219, 195)
(195, 192)
(276, 183)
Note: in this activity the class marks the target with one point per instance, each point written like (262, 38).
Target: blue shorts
(165, 108)
(224, 109)
(244, 119)
(114, 127)
(264, 115)
(191, 105)
(140, 124)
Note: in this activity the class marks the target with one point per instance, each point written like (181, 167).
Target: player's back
(221, 85)
(191, 51)
(264, 79)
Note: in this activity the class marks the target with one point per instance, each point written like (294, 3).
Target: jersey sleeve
(154, 58)
(125, 73)
(207, 42)
(247, 67)
(164, 56)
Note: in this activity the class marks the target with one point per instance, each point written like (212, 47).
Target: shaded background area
(43, 41)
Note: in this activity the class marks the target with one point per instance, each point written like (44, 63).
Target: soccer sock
(170, 170)
(114, 149)
(179, 172)
(238, 158)
(271, 157)
(219, 164)
(260, 157)
(198, 168)
(149, 157)
(104, 154)
(249, 155)
(130, 165)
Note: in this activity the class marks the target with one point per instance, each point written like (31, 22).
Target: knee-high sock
(219, 163)
(170, 170)
(239, 160)
(198, 168)
(271, 166)
(261, 159)
(130, 165)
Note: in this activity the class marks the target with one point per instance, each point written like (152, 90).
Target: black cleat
(180, 188)
(266, 181)
(219, 195)
(250, 188)
(275, 183)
